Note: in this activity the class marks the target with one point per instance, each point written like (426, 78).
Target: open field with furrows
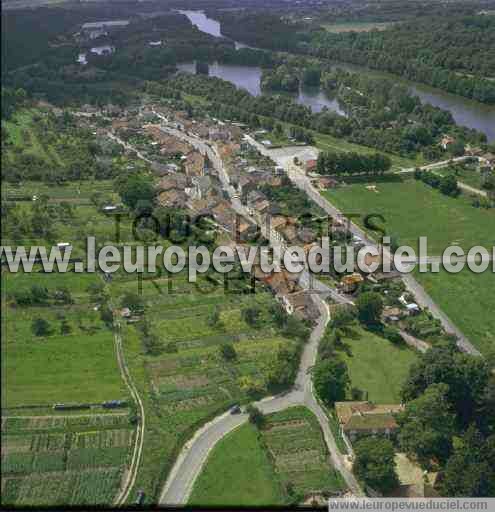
(64, 460)
(188, 381)
(413, 209)
(376, 366)
(78, 192)
(286, 461)
(356, 26)
(297, 448)
(76, 366)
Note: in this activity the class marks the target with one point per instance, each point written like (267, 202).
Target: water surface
(465, 112)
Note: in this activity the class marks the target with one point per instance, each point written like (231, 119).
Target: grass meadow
(376, 366)
(238, 472)
(413, 209)
(286, 461)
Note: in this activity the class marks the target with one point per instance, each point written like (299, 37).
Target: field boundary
(125, 490)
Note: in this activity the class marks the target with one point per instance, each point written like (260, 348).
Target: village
(187, 179)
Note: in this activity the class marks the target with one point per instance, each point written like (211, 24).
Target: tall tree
(375, 464)
(427, 425)
(331, 380)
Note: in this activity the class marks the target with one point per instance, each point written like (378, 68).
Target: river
(465, 112)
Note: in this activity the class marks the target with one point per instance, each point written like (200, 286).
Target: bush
(227, 351)
(41, 327)
(256, 417)
(370, 307)
(392, 334)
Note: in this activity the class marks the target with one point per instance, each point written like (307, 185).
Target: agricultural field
(62, 460)
(287, 462)
(39, 144)
(376, 366)
(408, 208)
(296, 446)
(186, 380)
(413, 209)
(68, 212)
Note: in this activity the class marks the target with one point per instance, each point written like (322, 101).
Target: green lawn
(413, 209)
(280, 464)
(76, 367)
(377, 366)
(469, 300)
(238, 473)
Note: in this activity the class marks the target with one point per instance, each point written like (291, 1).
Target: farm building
(358, 419)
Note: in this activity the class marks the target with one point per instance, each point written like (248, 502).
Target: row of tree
(352, 163)
(446, 184)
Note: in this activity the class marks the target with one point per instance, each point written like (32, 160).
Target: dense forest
(42, 58)
(381, 114)
(455, 55)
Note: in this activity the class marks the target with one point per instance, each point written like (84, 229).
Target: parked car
(235, 409)
(140, 497)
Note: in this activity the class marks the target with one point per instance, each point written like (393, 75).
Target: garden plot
(297, 449)
(187, 380)
(79, 461)
(75, 422)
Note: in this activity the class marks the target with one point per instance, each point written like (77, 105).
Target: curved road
(188, 465)
(187, 468)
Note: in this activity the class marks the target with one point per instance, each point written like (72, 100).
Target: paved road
(188, 466)
(421, 296)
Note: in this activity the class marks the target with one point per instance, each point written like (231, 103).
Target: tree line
(351, 163)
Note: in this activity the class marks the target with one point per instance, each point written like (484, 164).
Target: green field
(63, 460)
(77, 367)
(286, 461)
(377, 366)
(238, 473)
(468, 175)
(413, 209)
(468, 299)
(297, 448)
